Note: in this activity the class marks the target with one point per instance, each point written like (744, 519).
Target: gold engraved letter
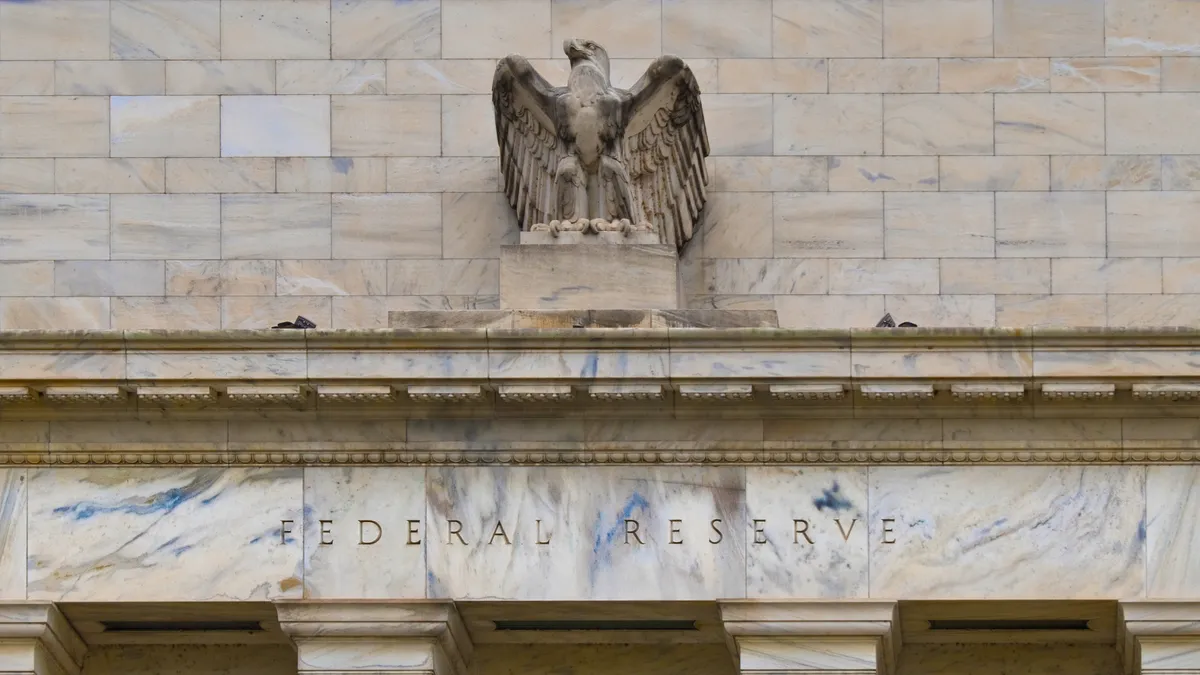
(674, 531)
(285, 528)
(716, 531)
(539, 534)
(633, 531)
(758, 532)
(799, 531)
(362, 535)
(499, 532)
(455, 527)
(845, 532)
(326, 531)
(414, 536)
(887, 529)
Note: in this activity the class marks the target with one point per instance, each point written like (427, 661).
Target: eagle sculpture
(591, 157)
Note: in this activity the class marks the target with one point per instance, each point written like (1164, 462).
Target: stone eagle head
(581, 51)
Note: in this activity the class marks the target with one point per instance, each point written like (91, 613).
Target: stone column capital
(1159, 636)
(802, 636)
(341, 630)
(48, 645)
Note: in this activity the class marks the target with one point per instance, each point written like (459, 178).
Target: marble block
(14, 517)
(588, 277)
(1172, 532)
(165, 534)
(583, 318)
(593, 522)
(1069, 532)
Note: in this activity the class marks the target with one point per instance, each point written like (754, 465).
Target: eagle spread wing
(665, 146)
(530, 148)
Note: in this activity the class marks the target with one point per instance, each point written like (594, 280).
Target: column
(1160, 637)
(826, 638)
(409, 638)
(35, 639)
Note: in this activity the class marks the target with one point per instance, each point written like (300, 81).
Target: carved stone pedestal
(589, 276)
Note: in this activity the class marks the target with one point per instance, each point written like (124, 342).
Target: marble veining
(14, 518)
(1008, 532)
(164, 534)
(1172, 531)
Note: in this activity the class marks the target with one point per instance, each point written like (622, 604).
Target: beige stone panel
(939, 225)
(599, 277)
(109, 278)
(166, 29)
(744, 302)
(331, 77)
(275, 226)
(334, 174)
(1050, 124)
(828, 311)
(275, 29)
(53, 126)
(736, 225)
(371, 311)
(477, 224)
(738, 124)
(454, 76)
(54, 227)
(27, 278)
(937, 27)
(883, 277)
(1152, 311)
(972, 276)
(26, 176)
(1106, 74)
(717, 28)
(166, 226)
(994, 76)
(626, 72)
(1049, 27)
(766, 276)
(444, 277)
(994, 174)
(387, 226)
(1147, 123)
(224, 174)
(165, 126)
(768, 174)
(26, 78)
(943, 311)
(883, 174)
(828, 28)
(465, 128)
(1082, 276)
(1084, 172)
(1152, 27)
(772, 76)
(485, 29)
(829, 124)
(54, 313)
(166, 313)
(1181, 172)
(1068, 429)
(99, 175)
(443, 174)
(1050, 225)
(331, 277)
(883, 76)
(54, 29)
(198, 78)
(1180, 73)
(937, 124)
(378, 29)
(107, 78)
(1181, 275)
(263, 312)
(1153, 224)
(816, 225)
(220, 277)
(625, 28)
(373, 126)
(1044, 311)
(275, 126)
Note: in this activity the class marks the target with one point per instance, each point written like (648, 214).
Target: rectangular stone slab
(588, 277)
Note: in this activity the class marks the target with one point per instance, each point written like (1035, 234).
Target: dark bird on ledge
(300, 323)
(888, 322)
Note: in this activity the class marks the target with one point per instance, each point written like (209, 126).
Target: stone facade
(233, 163)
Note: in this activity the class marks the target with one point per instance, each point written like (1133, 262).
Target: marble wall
(234, 163)
(190, 660)
(598, 533)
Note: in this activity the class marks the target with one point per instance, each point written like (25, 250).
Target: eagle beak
(573, 48)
